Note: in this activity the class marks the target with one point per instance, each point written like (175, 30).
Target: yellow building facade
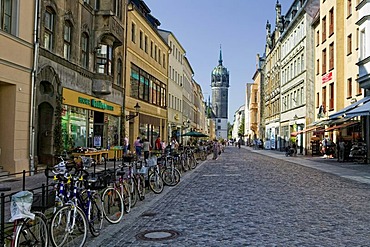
(146, 76)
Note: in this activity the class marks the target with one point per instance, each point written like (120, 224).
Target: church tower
(220, 97)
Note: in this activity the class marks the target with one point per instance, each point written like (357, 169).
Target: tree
(241, 127)
(229, 130)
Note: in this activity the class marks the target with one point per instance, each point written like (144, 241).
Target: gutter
(33, 86)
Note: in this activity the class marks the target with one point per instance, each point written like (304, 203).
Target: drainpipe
(33, 86)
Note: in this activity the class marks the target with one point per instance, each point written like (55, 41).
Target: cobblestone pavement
(248, 199)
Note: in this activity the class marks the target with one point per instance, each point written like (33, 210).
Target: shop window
(104, 59)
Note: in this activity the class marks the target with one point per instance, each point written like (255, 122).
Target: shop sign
(327, 77)
(95, 104)
(77, 99)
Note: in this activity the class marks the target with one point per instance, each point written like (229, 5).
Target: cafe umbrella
(195, 134)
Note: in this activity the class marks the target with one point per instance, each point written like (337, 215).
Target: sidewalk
(350, 170)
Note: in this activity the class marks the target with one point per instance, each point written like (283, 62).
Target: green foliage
(58, 138)
(241, 127)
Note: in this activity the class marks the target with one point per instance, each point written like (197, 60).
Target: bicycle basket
(143, 170)
(20, 207)
(152, 161)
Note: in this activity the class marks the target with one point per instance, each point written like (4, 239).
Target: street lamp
(131, 116)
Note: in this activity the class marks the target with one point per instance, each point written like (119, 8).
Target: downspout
(33, 87)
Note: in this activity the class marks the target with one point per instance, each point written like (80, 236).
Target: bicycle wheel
(126, 196)
(141, 187)
(193, 162)
(68, 227)
(96, 215)
(112, 205)
(33, 232)
(133, 191)
(171, 177)
(156, 183)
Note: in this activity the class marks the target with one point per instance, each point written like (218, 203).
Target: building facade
(147, 75)
(336, 55)
(297, 70)
(175, 84)
(220, 97)
(79, 86)
(239, 121)
(18, 61)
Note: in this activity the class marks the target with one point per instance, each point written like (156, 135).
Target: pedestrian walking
(138, 146)
(125, 145)
(216, 149)
(341, 147)
(146, 148)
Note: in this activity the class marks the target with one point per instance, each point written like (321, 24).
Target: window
(323, 62)
(118, 8)
(49, 29)
(159, 56)
(119, 72)
(104, 59)
(155, 52)
(362, 44)
(331, 56)
(67, 40)
(141, 39)
(151, 49)
(302, 63)
(317, 38)
(324, 98)
(164, 60)
(85, 50)
(323, 29)
(331, 96)
(133, 32)
(8, 16)
(317, 100)
(146, 44)
(349, 88)
(349, 8)
(317, 66)
(358, 88)
(331, 21)
(148, 88)
(349, 44)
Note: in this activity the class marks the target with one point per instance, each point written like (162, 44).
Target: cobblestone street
(248, 199)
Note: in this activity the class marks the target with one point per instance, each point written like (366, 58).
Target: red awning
(340, 126)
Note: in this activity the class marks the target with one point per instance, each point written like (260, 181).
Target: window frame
(67, 40)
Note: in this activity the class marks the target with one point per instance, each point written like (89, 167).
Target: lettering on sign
(95, 103)
(327, 77)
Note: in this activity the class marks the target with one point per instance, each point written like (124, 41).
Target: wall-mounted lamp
(131, 116)
(186, 124)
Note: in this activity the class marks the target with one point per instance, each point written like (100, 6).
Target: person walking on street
(137, 145)
(216, 149)
(157, 144)
(125, 145)
(146, 148)
(341, 147)
(239, 142)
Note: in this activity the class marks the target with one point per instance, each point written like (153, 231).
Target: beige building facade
(17, 63)
(175, 83)
(336, 55)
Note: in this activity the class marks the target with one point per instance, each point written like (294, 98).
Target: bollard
(24, 180)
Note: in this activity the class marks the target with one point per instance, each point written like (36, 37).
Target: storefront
(89, 122)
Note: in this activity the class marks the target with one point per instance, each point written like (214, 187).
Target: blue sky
(201, 26)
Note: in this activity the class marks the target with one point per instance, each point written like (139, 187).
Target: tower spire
(220, 60)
